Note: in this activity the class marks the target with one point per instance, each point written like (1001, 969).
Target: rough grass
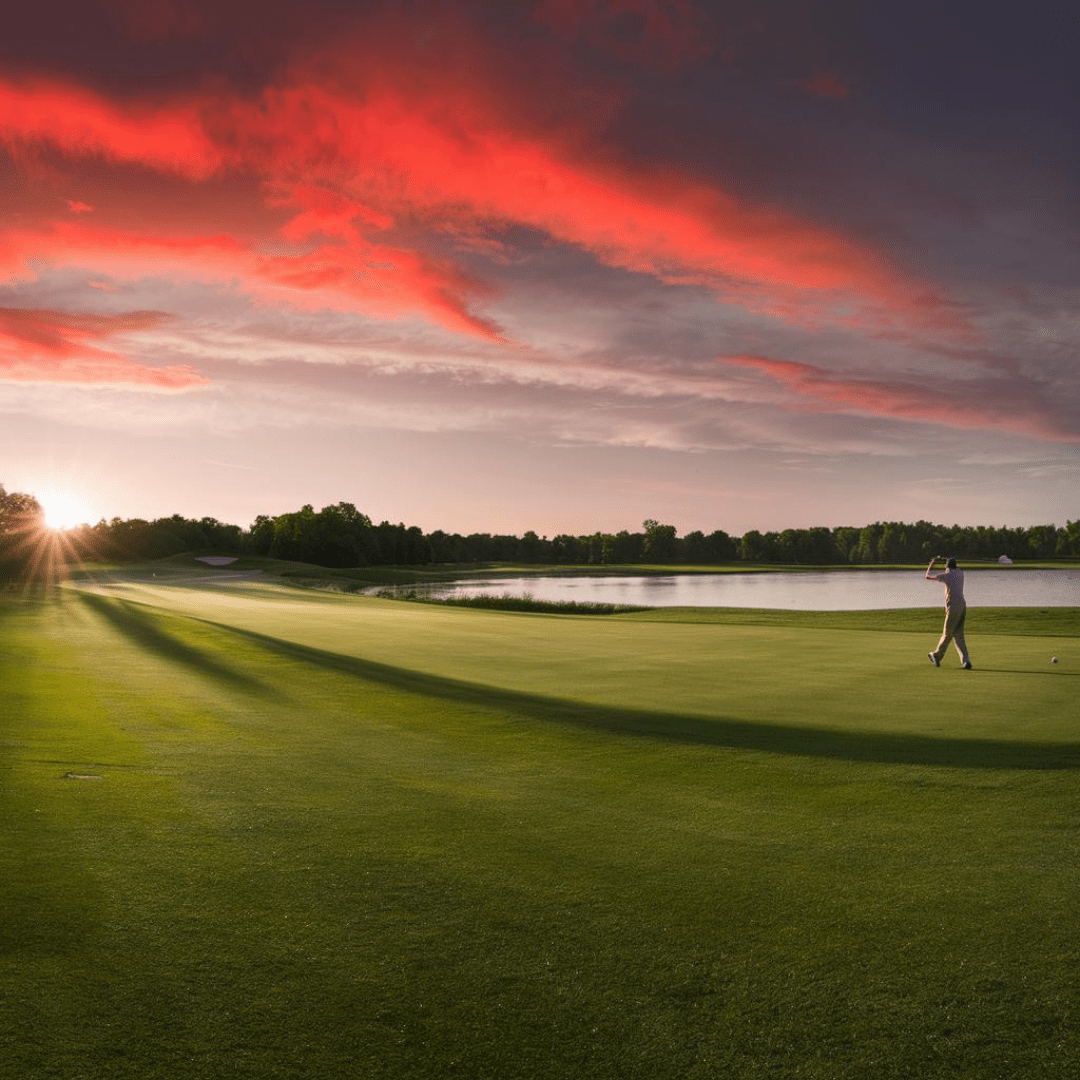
(344, 837)
(510, 602)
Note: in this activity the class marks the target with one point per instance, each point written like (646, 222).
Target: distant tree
(1042, 541)
(531, 548)
(1068, 539)
(752, 547)
(22, 527)
(505, 548)
(845, 542)
(478, 547)
(163, 541)
(818, 547)
(600, 547)
(294, 534)
(393, 543)
(341, 536)
(221, 536)
(447, 547)
(924, 541)
(659, 542)
(694, 548)
(568, 549)
(721, 547)
(866, 553)
(260, 537)
(891, 543)
(130, 537)
(628, 547)
(418, 550)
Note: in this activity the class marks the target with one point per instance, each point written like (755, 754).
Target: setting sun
(63, 512)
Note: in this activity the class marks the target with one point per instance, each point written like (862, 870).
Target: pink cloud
(404, 157)
(1008, 405)
(350, 273)
(81, 122)
(77, 207)
(40, 345)
(416, 154)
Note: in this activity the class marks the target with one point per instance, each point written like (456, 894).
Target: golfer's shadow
(777, 737)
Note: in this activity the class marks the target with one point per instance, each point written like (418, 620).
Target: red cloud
(987, 404)
(401, 148)
(77, 207)
(446, 157)
(38, 345)
(358, 275)
(80, 122)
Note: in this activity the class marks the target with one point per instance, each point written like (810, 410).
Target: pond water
(828, 590)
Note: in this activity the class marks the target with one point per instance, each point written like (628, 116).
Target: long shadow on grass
(883, 747)
(141, 627)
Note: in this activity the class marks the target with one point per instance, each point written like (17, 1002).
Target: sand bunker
(216, 560)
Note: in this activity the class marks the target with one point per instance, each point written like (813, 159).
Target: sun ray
(44, 542)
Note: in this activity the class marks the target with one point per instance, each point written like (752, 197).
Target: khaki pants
(954, 632)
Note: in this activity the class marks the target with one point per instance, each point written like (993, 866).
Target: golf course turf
(248, 830)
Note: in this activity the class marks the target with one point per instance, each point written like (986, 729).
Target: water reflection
(831, 590)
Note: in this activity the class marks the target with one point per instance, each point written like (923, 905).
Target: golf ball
(1053, 659)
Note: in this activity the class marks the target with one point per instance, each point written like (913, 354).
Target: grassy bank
(511, 602)
(252, 831)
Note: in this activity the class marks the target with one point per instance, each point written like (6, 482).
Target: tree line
(340, 536)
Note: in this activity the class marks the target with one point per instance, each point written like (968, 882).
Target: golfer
(955, 612)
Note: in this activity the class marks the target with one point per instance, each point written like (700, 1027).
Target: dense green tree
(867, 549)
(531, 548)
(752, 547)
(1042, 541)
(720, 547)
(600, 548)
(845, 542)
(569, 549)
(694, 548)
(1068, 540)
(659, 542)
(338, 536)
(342, 536)
(260, 537)
(22, 529)
(628, 547)
(417, 548)
(447, 547)
(294, 534)
(891, 543)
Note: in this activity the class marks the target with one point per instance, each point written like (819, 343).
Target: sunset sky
(552, 264)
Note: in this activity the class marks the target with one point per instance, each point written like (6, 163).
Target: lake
(827, 590)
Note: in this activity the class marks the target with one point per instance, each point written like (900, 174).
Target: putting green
(249, 831)
(830, 678)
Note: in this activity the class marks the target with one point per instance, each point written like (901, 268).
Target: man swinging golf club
(955, 612)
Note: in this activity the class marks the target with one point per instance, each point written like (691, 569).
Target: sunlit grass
(323, 835)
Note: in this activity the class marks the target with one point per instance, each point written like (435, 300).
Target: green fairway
(255, 831)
